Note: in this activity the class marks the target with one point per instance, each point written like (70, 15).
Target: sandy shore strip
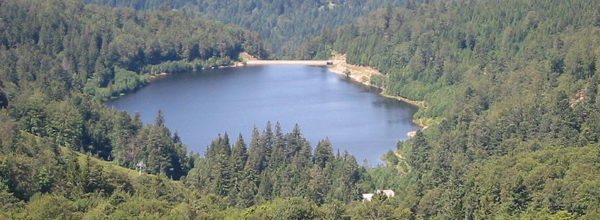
(362, 74)
(337, 64)
(359, 74)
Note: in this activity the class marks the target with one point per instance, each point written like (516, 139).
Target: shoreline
(337, 65)
(362, 75)
(420, 104)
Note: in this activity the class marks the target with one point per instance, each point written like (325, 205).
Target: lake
(201, 105)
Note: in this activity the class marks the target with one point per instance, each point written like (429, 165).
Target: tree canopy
(284, 24)
(511, 88)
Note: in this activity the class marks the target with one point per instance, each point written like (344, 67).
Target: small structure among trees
(369, 196)
(387, 192)
(140, 166)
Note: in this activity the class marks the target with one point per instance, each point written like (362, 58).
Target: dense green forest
(512, 87)
(284, 24)
(64, 155)
(104, 52)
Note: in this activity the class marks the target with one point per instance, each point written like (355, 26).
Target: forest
(102, 52)
(511, 93)
(64, 155)
(512, 103)
(283, 24)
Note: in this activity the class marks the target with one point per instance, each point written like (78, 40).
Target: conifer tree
(323, 153)
(419, 157)
(256, 154)
(239, 156)
(278, 149)
(221, 170)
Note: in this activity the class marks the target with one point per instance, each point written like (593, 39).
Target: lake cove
(201, 105)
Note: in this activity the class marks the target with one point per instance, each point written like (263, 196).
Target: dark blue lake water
(202, 105)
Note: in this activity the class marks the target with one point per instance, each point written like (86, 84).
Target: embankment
(363, 74)
(293, 62)
(337, 64)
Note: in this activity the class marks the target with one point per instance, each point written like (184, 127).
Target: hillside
(511, 93)
(513, 88)
(284, 24)
(64, 155)
(59, 59)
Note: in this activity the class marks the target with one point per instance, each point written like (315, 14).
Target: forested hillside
(104, 52)
(284, 24)
(64, 155)
(60, 57)
(513, 88)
